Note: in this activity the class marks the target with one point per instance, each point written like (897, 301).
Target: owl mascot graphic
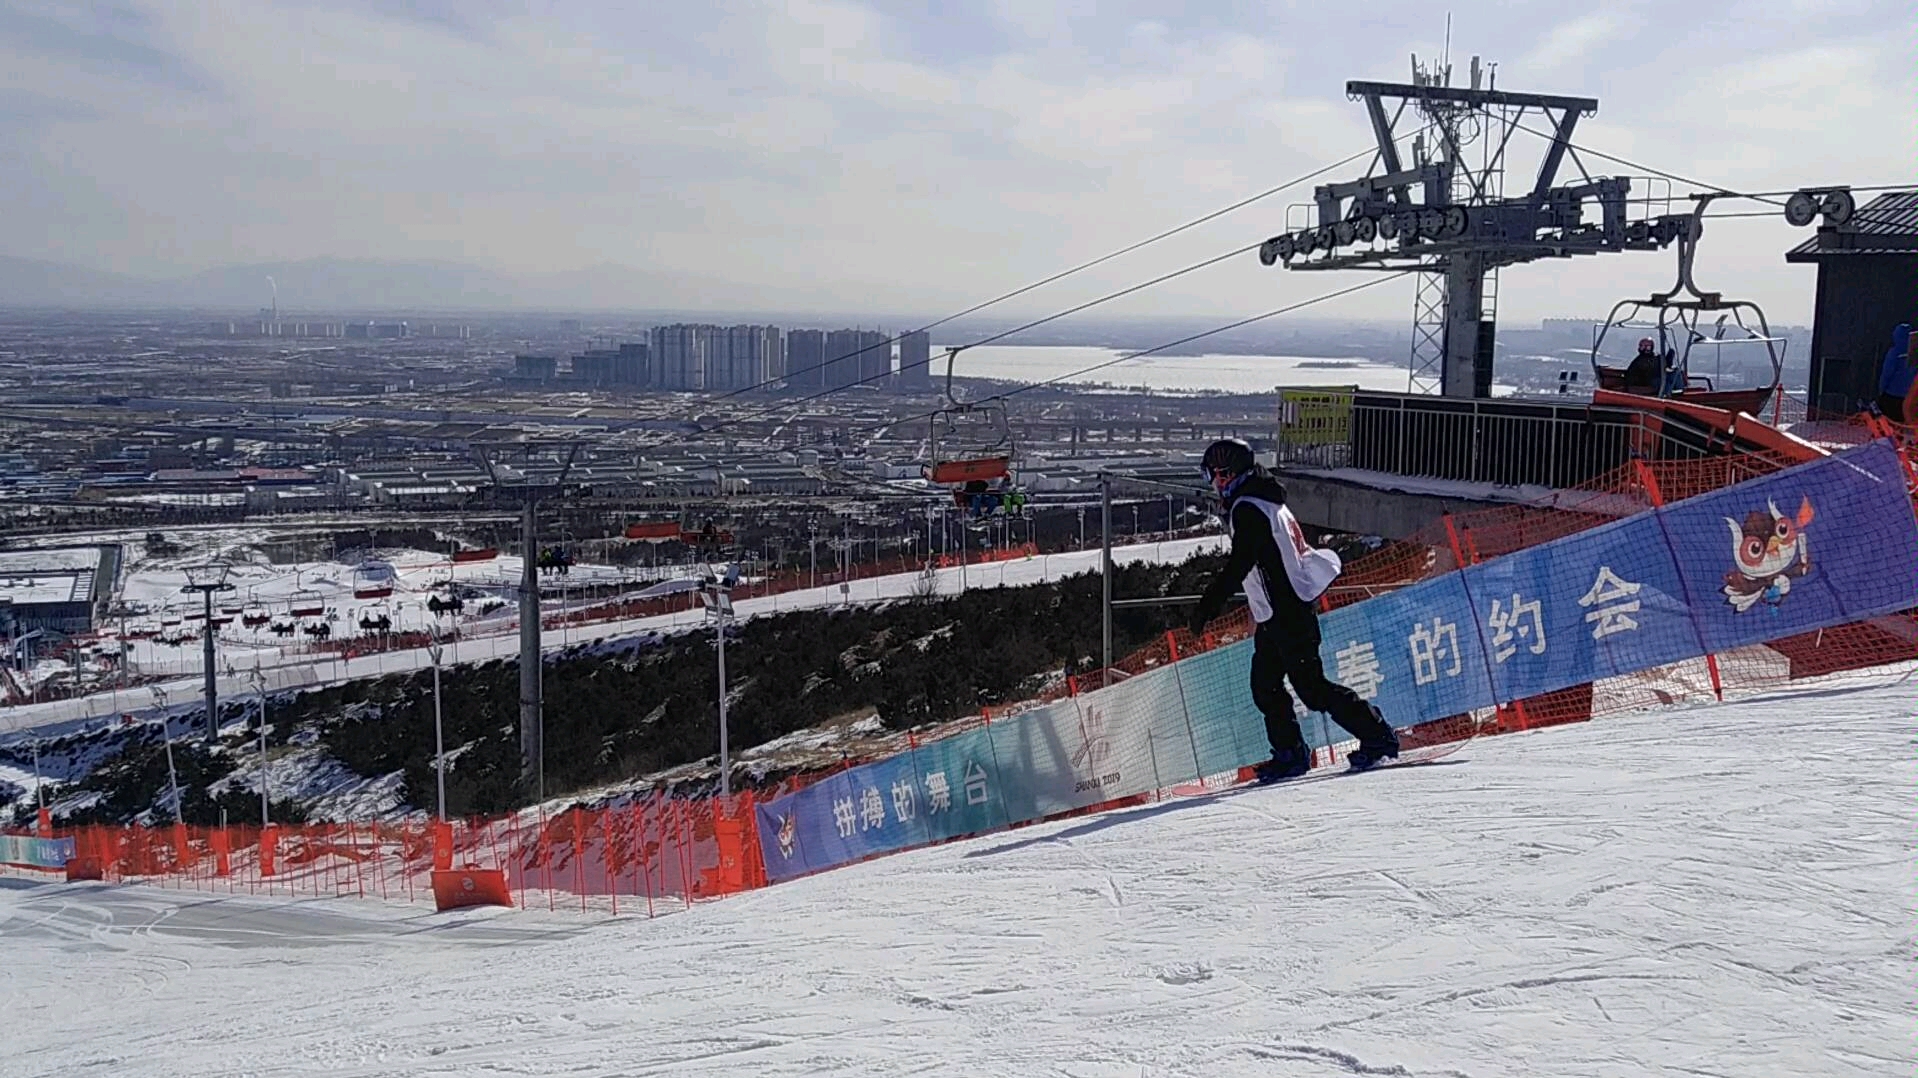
(1769, 551)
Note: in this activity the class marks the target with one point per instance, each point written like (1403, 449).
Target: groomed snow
(1723, 891)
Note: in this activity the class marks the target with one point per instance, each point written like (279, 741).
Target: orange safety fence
(650, 854)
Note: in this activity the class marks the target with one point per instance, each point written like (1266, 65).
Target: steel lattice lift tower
(1444, 213)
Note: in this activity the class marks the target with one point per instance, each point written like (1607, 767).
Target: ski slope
(1721, 892)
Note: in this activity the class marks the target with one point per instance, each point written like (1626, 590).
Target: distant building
(722, 368)
(536, 368)
(856, 357)
(679, 355)
(54, 589)
(915, 360)
(739, 357)
(805, 356)
(391, 331)
(630, 365)
(773, 348)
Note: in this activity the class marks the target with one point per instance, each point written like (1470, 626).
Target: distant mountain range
(343, 285)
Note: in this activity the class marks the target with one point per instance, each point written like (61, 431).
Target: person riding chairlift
(1646, 375)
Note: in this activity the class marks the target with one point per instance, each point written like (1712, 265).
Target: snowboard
(1415, 757)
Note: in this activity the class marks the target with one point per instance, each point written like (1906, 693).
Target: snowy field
(1719, 891)
(299, 668)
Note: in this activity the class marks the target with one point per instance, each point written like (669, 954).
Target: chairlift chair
(967, 455)
(1679, 313)
(372, 580)
(656, 531)
(707, 538)
(306, 604)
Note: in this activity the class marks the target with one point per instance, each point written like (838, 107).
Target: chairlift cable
(1189, 338)
(1063, 274)
(1713, 188)
(1087, 305)
(1228, 327)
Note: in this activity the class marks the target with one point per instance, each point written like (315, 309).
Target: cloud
(1575, 41)
(866, 154)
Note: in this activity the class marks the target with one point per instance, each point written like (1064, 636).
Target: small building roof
(1887, 225)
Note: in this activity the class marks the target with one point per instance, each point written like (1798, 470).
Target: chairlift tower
(1445, 215)
(526, 484)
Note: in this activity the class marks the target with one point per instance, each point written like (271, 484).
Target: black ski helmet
(1229, 455)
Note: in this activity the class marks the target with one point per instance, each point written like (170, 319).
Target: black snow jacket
(1254, 547)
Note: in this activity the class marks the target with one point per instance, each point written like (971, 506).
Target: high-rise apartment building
(739, 357)
(857, 357)
(805, 352)
(915, 360)
(679, 355)
(630, 365)
(767, 346)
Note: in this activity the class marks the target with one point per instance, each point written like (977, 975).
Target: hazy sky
(904, 156)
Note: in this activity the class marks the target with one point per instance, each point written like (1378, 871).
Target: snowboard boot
(1367, 757)
(1289, 764)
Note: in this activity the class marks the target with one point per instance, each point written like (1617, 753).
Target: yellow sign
(1318, 416)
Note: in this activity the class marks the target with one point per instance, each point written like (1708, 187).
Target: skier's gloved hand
(1209, 606)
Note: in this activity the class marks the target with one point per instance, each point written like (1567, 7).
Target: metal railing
(1504, 442)
(1507, 441)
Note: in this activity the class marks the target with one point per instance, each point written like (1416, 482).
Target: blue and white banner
(51, 853)
(1817, 545)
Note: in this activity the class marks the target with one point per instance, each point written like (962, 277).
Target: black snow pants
(1286, 648)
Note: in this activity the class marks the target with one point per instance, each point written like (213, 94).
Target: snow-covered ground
(1718, 891)
(299, 668)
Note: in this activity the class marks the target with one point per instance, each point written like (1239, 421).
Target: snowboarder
(1280, 591)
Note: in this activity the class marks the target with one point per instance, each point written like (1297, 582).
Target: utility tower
(1444, 213)
(540, 472)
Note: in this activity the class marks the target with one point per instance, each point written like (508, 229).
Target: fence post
(1178, 679)
(1650, 481)
(1478, 623)
(608, 860)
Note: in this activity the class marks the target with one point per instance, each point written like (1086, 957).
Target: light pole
(434, 650)
(259, 687)
(1105, 573)
(717, 596)
(166, 738)
(207, 579)
(812, 530)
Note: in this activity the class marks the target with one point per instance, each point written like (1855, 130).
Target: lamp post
(434, 650)
(717, 597)
(166, 739)
(259, 687)
(207, 579)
